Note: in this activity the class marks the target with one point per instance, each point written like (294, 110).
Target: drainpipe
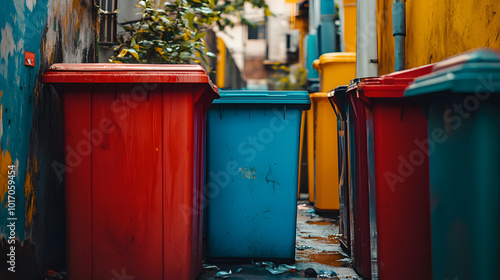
(366, 46)
(314, 16)
(399, 33)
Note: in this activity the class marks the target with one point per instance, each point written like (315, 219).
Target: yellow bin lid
(318, 95)
(336, 57)
(316, 64)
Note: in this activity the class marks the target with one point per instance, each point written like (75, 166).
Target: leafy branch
(174, 32)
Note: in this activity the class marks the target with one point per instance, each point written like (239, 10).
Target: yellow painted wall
(438, 29)
(350, 25)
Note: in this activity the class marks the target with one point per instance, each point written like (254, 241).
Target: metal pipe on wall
(366, 47)
(399, 33)
(314, 16)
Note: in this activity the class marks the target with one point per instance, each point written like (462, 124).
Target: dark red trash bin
(394, 167)
(360, 228)
(134, 168)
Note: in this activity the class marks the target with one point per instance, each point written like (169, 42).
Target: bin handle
(354, 105)
(333, 106)
(343, 172)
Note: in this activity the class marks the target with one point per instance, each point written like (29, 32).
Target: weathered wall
(31, 136)
(438, 29)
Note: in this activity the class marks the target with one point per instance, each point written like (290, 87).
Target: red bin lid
(84, 73)
(392, 85)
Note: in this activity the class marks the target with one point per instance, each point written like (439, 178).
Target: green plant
(287, 78)
(173, 32)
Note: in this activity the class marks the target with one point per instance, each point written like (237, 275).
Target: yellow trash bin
(310, 151)
(335, 69)
(310, 123)
(307, 122)
(301, 149)
(326, 183)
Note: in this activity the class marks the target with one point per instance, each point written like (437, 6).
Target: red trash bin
(394, 163)
(360, 226)
(134, 168)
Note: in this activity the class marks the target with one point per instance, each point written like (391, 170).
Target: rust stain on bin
(247, 172)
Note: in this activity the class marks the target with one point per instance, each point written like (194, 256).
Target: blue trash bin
(252, 172)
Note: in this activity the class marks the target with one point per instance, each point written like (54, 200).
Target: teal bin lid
(473, 72)
(264, 97)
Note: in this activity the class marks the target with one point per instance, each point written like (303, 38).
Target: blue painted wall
(31, 136)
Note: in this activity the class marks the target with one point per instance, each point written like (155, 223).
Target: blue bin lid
(473, 72)
(264, 97)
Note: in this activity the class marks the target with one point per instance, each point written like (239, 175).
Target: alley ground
(317, 247)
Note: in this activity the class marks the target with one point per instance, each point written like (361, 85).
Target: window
(107, 35)
(258, 31)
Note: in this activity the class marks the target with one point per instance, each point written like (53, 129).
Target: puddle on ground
(326, 258)
(320, 223)
(330, 239)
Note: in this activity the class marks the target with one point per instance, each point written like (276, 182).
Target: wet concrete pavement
(317, 247)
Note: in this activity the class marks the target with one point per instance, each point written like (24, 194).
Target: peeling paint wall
(31, 135)
(438, 29)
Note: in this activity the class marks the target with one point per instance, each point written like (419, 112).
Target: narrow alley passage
(317, 248)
